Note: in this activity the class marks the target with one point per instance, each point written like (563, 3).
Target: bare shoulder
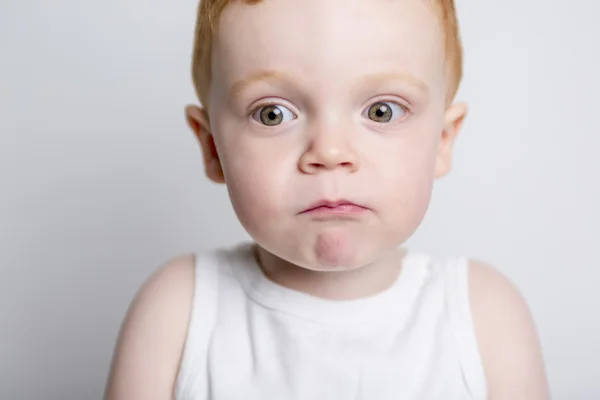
(152, 337)
(506, 335)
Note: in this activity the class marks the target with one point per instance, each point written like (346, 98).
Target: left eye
(272, 115)
(385, 111)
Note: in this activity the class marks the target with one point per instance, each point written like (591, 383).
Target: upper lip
(332, 204)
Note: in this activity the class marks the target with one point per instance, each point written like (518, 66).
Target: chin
(330, 248)
(335, 250)
(331, 268)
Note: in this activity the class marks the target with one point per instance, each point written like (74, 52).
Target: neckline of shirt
(394, 302)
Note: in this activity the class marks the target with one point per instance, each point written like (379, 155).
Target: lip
(335, 207)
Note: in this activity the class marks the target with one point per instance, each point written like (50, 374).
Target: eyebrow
(405, 77)
(284, 77)
(260, 76)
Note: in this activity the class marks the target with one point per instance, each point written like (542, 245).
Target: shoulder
(153, 334)
(506, 336)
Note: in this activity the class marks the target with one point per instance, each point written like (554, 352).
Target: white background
(101, 181)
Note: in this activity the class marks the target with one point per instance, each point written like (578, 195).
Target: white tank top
(252, 339)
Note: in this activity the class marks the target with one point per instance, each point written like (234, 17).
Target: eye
(273, 115)
(385, 111)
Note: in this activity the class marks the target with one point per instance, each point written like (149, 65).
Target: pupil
(379, 113)
(273, 114)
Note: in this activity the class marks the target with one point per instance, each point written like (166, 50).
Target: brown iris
(271, 115)
(380, 112)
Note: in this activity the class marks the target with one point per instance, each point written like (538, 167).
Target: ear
(197, 119)
(453, 122)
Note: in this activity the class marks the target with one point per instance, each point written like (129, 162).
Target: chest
(260, 355)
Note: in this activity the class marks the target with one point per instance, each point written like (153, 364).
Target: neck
(351, 284)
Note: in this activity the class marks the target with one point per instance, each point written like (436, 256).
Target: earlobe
(453, 122)
(197, 119)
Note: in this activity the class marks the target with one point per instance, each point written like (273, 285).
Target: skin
(326, 82)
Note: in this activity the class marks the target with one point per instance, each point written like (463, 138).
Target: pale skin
(356, 113)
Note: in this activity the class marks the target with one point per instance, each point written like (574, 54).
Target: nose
(328, 151)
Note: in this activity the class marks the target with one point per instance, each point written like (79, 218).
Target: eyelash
(402, 105)
(266, 104)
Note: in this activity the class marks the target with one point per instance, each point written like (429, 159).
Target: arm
(148, 352)
(507, 338)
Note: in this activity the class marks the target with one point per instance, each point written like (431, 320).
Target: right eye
(272, 115)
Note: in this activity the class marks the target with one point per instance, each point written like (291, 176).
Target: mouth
(337, 207)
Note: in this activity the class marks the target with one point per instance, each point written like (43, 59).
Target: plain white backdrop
(101, 181)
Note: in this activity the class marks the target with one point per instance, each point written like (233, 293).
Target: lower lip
(342, 209)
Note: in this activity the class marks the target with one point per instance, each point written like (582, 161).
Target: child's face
(359, 89)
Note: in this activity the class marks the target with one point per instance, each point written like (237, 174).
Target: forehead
(326, 42)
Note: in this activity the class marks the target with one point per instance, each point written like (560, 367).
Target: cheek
(407, 199)
(255, 182)
(409, 177)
